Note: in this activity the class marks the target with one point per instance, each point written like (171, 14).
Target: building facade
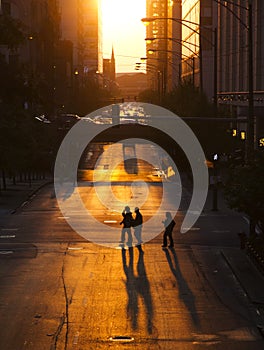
(81, 23)
(158, 45)
(233, 51)
(61, 50)
(235, 72)
(199, 25)
(41, 29)
(37, 53)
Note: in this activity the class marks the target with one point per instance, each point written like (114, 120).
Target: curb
(236, 275)
(255, 257)
(29, 197)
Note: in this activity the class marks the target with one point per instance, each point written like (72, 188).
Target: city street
(59, 291)
(126, 126)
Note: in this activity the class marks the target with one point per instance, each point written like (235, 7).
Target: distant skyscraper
(81, 23)
(92, 35)
(157, 46)
(163, 47)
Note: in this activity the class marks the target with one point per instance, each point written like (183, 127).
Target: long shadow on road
(185, 293)
(137, 286)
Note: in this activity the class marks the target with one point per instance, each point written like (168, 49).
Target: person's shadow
(185, 292)
(137, 286)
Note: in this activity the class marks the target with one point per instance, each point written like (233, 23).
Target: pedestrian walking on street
(169, 224)
(137, 224)
(127, 223)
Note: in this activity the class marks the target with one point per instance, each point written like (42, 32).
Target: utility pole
(250, 132)
(215, 72)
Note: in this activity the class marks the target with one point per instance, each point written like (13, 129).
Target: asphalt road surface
(60, 291)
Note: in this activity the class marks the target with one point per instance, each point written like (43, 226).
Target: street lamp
(151, 51)
(182, 42)
(153, 69)
(189, 25)
(172, 64)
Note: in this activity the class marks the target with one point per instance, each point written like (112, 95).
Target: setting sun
(123, 29)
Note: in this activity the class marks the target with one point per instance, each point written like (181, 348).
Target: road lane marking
(122, 339)
(76, 338)
(110, 221)
(7, 236)
(75, 248)
(5, 252)
(192, 228)
(9, 229)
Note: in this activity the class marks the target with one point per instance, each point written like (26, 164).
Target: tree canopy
(244, 189)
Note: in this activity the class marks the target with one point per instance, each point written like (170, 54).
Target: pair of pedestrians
(128, 222)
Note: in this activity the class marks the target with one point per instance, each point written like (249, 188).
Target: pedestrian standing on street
(127, 223)
(169, 224)
(137, 224)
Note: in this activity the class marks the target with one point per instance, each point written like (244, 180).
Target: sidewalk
(251, 281)
(242, 265)
(15, 195)
(222, 205)
(222, 208)
(246, 273)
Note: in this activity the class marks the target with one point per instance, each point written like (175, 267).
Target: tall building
(38, 52)
(199, 23)
(163, 44)
(158, 46)
(41, 26)
(92, 31)
(233, 53)
(234, 75)
(81, 23)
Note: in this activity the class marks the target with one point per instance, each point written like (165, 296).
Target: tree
(244, 190)
(149, 96)
(187, 100)
(89, 96)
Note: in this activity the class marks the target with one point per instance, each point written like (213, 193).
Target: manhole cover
(122, 338)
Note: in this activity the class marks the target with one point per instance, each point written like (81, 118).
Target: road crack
(64, 320)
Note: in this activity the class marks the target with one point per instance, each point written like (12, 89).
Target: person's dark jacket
(138, 219)
(127, 220)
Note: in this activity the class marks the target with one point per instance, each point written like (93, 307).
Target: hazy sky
(122, 28)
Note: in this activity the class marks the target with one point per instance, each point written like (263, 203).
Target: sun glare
(122, 28)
